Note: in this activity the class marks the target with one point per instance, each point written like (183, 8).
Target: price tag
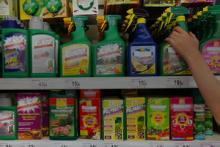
(111, 145)
(73, 84)
(207, 145)
(139, 83)
(177, 82)
(157, 145)
(62, 145)
(183, 145)
(5, 145)
(89, 145)
(40, 84)
(30, 145)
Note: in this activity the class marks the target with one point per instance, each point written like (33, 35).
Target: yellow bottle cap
(141, 20)
(180, 18)
(199, 13)
(130, 11)
(168, 10)
(205, 9)
(195, 17)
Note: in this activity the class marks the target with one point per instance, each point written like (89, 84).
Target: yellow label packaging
(135, 118)
(113, 119)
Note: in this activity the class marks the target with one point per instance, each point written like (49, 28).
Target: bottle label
(109, 59)
(7, 121)
(43, 54)
(173, 63)
(15, 45)
(4, 8)
(75, 60)
(211, 54)
(143, 59)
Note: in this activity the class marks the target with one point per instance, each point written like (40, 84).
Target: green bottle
(75, 56)
(15, 53)
(43, 53)
(170, 62)
(109, 54)
(210, 47)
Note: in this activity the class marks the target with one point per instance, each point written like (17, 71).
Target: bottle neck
(79, 33)
(183, 25)
(112, 33)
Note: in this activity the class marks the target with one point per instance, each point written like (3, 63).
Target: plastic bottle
(142, 52)
(42, 50)
(170, 62)
(75, 56)
(15, 53)
(109, 53)
(210, 48)
(199, 116)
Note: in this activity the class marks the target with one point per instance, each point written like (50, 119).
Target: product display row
(62, 116)
(37, 52)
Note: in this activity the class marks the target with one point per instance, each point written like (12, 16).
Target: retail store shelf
(89, 143)
(98, 83)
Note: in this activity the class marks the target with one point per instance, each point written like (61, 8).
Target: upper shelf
(98, 83)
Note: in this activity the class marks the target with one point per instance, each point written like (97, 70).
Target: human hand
(186, 44)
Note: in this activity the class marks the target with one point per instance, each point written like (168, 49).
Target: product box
(89, 114)
(135, 118)
(158, 122)
(113, 119)
(62, 118)
(208, 122)
(88, 7)
(181, 115)
(199, 121)
(29, 116)
(44, 9)
(45, 115)
(8, 123)
(8, 8)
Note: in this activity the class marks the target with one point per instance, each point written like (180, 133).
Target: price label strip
(139, 83)
(207, 145)
(111, 145)
(90, 145)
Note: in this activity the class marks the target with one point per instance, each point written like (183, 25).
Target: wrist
(193, 56)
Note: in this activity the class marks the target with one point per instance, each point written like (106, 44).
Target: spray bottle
(142, 52)
(75, 56)
(170, 61)
(210, 47)
(109, 53)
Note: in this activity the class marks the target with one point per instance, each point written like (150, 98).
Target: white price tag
(111, 145)
(183, 145)
(5, 145)
(207, 145)
(62, 145)
(139, 83)
(157, 145)
(73, 84)
(89, 145)
(177, 82)
(30, 145)
(40, 84)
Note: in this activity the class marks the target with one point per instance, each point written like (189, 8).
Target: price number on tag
(8, 145)
(75, 84)
(207, 145)
(31, 145)
(139, 83)
(89, 145)
(178, 83)
(111, 145)
(183, 145)
(157, 145)
(63, 145)
(40, 84)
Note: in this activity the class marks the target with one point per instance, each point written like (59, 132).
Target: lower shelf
(212, 141)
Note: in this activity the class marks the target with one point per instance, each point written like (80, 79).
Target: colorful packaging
(113, 119)
(89, 114)
(199, 121)
(8, 124)
(135, 118)
(29, 116)
(45, 115)
(44, 9)
(158, 122)
(8, 8)
(62, 118)
(15, 53)
(88, 7)
(181, 111)
(208, 122)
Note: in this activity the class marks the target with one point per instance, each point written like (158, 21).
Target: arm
(187, 45)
